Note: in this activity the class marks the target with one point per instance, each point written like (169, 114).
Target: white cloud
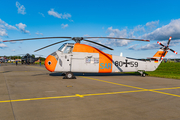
(21, 8)
(152, 24)
(172, 29)
(139, 28)
(3, 32)
(133, 47)
(66, 16)
(64, 25)
(1, 40)
(2, 45)
(10, 26)
(21, 27)
(41, 14)
(4, 26)
(55, 14)
(37, 33)
(119, 34)
(59, 15)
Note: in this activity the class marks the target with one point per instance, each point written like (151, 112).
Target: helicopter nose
(50, 63)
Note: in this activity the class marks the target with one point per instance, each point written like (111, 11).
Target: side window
(68, 49)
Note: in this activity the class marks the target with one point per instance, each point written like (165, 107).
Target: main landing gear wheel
(69, 75)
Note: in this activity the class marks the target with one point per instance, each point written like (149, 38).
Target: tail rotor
(166, 48)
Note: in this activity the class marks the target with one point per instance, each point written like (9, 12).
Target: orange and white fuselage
(86, 59)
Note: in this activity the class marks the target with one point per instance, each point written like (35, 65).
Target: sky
(155, 20)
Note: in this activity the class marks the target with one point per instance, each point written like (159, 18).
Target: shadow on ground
(93, 74)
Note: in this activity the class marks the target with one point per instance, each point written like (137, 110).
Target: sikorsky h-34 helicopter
(76, 57)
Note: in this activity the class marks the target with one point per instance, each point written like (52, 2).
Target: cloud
(3, 32)
(157, 46)
(119, 34)
(21, 8)
(66, 16)
(139, 28)
(41, 14)
(64, 25)
(10, 26)
(59, 15)
(4, 26)
(152, 24)
(164, 32)
(55, 14)
(21, 27)
(133, 47)
(1, 44)
(37, 33)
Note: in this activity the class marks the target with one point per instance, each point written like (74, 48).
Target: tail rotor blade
(160, 43)
(173, 51)
(162, 57)
(169, 40)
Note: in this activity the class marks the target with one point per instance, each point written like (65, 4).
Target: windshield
(60, 49)
(68, 49)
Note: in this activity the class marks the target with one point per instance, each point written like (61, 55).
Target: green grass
(165, 70)
(42, 62)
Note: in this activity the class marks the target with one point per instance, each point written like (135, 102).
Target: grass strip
(165, 70)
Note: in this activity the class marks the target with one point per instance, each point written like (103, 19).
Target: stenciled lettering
(105, 65)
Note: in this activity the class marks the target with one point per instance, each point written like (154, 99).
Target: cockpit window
(68, 49)
(61, 48)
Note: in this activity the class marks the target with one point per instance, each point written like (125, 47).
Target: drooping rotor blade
(120, 38)
(50, 45)
(160, 43)
(169, 40)
(173, 51)
(35, 39)
(99, 44)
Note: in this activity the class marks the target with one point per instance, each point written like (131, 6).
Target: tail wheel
(69, 75)
(143, 75)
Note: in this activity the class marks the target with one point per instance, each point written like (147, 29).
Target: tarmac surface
(30, 92)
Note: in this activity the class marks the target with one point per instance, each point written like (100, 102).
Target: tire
(143, 75)
(69, 75)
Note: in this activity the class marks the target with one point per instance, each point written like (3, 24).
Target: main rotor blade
(50, 45)
(120, 38)
(99, 44)
(160, 43)
(173, 51)
(34, 39)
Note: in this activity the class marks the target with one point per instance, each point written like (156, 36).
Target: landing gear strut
(69, 75)
(142, 73)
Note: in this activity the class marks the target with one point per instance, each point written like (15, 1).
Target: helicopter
(83, 58)
(28, 59)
